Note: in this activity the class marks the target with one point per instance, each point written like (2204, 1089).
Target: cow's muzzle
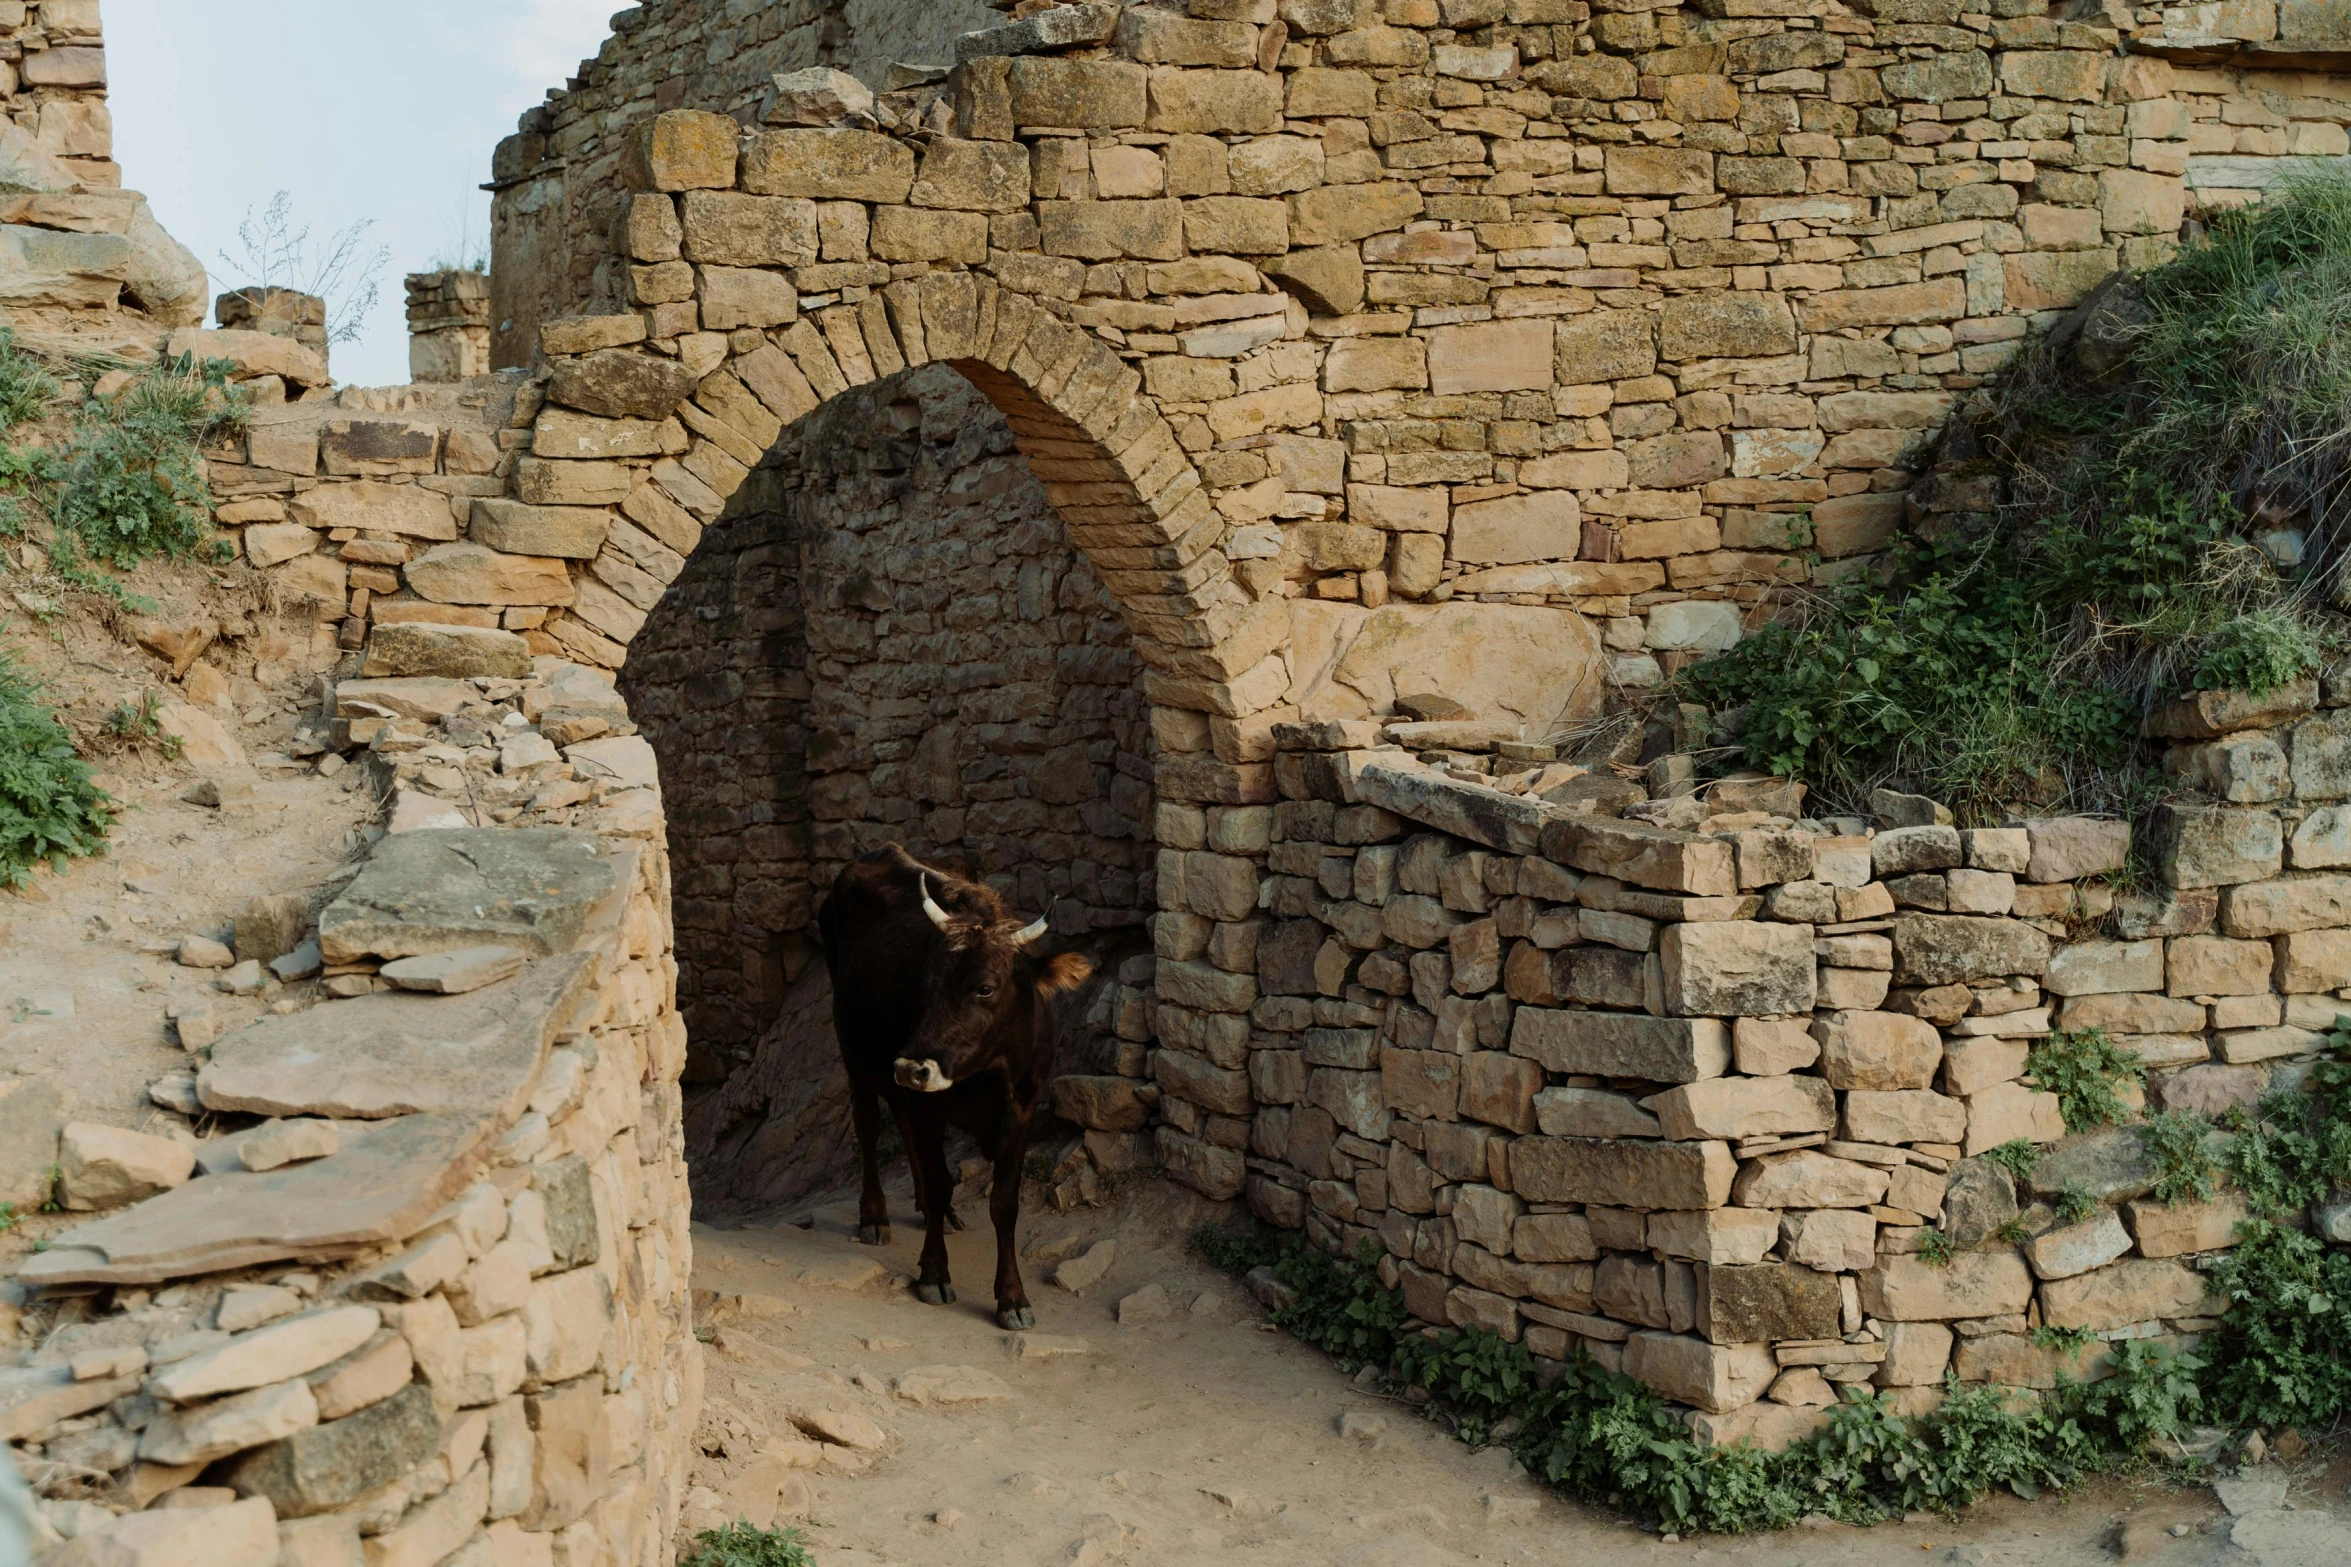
(924, 1077)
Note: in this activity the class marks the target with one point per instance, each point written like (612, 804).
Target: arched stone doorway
(887, 637)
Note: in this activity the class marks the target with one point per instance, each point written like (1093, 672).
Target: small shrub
(2071, 1340)
(2296, 1148)
(2258, 652)
(2081, 1069)
(2019, 1156)
(129, 484)
(50, 808)
(140, 722)
(2176, 1140)
(9, 1217)
(741, 1545)
(1934, 1248)
(2282, 1353)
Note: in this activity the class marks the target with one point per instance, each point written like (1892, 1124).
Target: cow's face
(981, 991)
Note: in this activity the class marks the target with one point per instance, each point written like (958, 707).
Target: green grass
(126, 484)
(50, 807)
(2004, 653)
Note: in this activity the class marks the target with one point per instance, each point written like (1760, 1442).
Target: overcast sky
(359, 109)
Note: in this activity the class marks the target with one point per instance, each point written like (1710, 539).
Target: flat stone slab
(399, 1053)
(381, 1186)
(32, 1115)
(454, 973)
(536, 889)
(626, 760)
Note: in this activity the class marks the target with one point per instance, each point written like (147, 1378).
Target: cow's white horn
(1031, 931)
(930, 907)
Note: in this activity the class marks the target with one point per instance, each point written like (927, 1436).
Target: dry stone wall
(1686, 1091)
(421, 1292)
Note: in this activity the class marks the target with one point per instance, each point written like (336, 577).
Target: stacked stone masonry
(434, 1306)
(84, 266)
(1688, 1098)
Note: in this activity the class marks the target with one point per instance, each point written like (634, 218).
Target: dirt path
(1201, 1437)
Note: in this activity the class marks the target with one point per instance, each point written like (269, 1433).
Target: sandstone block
(1808, 1179)
(293, 1347)
(1914, 1115)
(424, 650)
(2177, 1229)
(106, 1166)
(1763, 1048)
(1934, 949)
(1071, 94)
(1592, 1112)
(2218, 966)
(1717, 1378)
(1517, 528)
(2136, 1289)
(470, 573)
(1617, 1044)
(1605, 345)
(1737, 1107)
(1726, 324)
(684, 149)
(229, 1425)
(1765, 1301)
(1880, 1051)
(1737, 967)
(1491, 356)
(2288, 904)
(1971, 1284)
(332, 1465)
(235, 1534)
(1621, 1172)
(2009, 1112)
(828, 165)
(1731, 1236)
(1834, 1240)
(2212, 846)
(2068, 848)
(2077, 1248)
(2091, 968)
(1917, 1354)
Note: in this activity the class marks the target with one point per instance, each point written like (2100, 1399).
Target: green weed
(2019, 1156)
(50, 807)
(2176, 1141)
(1600, 1436)
(1934, 1248)
(741, 1545)
(2081, 1069)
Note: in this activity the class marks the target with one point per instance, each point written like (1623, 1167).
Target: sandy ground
(1202, 1437)
(86, 970)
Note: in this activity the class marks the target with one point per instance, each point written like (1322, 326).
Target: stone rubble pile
(1683, 1082)
(420, 1292)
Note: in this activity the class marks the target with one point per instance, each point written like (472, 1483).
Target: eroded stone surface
(536, 889)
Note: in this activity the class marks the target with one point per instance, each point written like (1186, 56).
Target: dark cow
(939, 1002)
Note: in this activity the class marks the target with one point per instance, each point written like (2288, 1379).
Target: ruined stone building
(1059, 441)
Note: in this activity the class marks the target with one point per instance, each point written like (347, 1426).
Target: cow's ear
(1063, 971)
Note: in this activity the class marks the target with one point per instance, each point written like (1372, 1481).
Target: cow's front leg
(1012, 1296)
(873, 1208)
(935, 1191)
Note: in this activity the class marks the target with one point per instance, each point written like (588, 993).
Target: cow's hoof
(1016, 1318)
(954, 1220)
(939, 1294)
(873, 1234)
